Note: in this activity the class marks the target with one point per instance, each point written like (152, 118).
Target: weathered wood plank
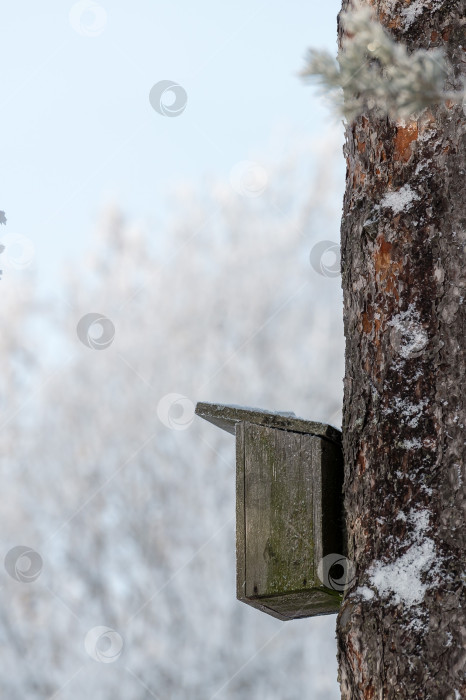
(227, 416)
(240, 515)
(302, 604)
(329, 527)
(279, 514)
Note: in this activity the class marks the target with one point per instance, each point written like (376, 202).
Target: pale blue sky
(77, 126)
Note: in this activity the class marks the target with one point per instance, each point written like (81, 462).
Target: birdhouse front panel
(279, 521)
(278, 511)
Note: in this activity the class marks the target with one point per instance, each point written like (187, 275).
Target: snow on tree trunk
(400, 627)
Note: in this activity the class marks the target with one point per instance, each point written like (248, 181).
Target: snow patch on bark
(401, 580)
(416, 8)
(413, 444)
(411, 412)
(399, 200)
(423, 165)
(364, 592)
(408, 335)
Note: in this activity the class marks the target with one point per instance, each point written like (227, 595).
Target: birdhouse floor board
(304, 604)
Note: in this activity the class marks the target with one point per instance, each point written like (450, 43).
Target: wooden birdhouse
(289, 511)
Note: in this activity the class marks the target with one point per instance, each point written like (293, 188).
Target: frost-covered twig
(374, 71)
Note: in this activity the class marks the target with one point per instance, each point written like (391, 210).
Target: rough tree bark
(401, 628)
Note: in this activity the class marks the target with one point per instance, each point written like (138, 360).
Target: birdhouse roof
(227, 416)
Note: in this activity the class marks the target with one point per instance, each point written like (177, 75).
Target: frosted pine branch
(373, 71)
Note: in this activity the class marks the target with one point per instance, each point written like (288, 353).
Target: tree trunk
(401, 627)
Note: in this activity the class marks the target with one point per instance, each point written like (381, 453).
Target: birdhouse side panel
(333, 521)
(240, 516)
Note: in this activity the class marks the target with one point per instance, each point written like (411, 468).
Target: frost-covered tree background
(129, 501)
(202, 277)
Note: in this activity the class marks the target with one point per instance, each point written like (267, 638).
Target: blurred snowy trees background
(127, 499)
